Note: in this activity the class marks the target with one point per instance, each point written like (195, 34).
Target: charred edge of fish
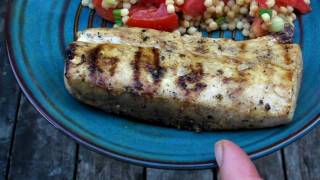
(136, 68)
(66, 73)
(70, 52)
(69, 55)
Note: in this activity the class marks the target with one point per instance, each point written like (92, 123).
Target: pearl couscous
(253, 18)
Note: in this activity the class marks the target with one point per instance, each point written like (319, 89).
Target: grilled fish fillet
(187, 82)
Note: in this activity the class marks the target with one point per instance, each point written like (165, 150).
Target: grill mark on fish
(114, 63)
(287, 58)
(154, 67)
(83, 59)
(234, 93)
(289, 75)
(136, 70)
(92, 59)
(94, 69)
(192, 79)
(100, 81)
(264, 55)
(243, 46)
(239, 79)
(202, 48)
(199, 87)
(226, 80)
(109, 63)
(235, 60)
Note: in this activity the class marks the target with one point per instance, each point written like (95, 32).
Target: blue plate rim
(138, 161)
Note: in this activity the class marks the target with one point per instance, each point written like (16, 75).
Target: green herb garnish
(268, 11)
(220, 20)
(116, 13)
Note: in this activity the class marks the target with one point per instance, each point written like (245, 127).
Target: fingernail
(218, 151)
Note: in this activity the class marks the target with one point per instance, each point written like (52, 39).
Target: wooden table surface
(31, 148)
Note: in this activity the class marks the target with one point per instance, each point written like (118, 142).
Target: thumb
(234, 163)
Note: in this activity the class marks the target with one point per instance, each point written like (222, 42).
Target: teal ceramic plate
(37, 33)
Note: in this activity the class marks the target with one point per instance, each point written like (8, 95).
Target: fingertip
(218, 152)
(233, 162)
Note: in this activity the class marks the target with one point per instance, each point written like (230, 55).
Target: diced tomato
(142, 5)
(262, 3)
(104, 13)
(282, 2)
(153, 2)
(153, 18)
(257, 28)
(300, 5)
(297, 4)
(138, 7)
(194, 7)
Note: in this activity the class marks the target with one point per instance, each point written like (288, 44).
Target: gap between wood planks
(12, 137)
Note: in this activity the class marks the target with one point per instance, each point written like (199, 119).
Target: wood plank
(95, 166)
(40, 151)
(158, 174)
(271, 167)
(9, 99)
(302, 158)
